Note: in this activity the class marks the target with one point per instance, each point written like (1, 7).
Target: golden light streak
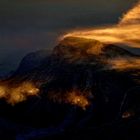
(132, 16)
(127, 31)
(124, 63)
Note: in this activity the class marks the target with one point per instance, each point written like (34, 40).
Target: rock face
(78, 86)
(31, 61)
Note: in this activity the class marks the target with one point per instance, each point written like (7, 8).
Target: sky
(30, 25)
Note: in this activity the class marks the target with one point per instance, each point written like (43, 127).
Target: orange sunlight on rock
(18, 93)
(74, 97)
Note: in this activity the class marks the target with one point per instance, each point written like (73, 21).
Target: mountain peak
(78, 47)
(81, 47)
(77, 42)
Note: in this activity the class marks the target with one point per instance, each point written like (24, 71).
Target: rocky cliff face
(78, 84)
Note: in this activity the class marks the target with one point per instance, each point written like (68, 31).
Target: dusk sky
(30, 25)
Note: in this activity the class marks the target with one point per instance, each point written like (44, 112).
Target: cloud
(126, 32)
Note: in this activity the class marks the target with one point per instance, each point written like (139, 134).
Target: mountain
(31, 61)
(81, 92)
(70, 51)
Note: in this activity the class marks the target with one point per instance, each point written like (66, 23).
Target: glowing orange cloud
(124, 63)
(127, 31)
(132, 16)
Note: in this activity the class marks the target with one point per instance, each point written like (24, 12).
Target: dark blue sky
(29, 25)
